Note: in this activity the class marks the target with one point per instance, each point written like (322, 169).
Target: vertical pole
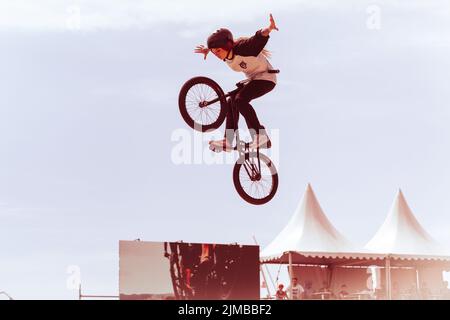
(264, 278)
(290, 275)
(270, 277)
(388, 278)
(267, 270)
(79, 291)
(418, 283)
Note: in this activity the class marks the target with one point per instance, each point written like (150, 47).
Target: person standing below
(308, 294)
(295, 290)
(281, 294)
(343, 294)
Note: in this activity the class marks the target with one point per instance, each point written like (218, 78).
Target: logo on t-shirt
(243, 65)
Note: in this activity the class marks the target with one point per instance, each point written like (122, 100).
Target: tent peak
(308, 230)
(401, 232)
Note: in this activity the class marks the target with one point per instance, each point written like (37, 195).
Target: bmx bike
(204, 107)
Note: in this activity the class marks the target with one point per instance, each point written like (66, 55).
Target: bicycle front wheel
(202, 104)
(255, 181)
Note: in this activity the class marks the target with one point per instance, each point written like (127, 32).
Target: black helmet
(220, 39)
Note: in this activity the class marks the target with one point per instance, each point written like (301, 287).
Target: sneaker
(261, 141)
(220, 145)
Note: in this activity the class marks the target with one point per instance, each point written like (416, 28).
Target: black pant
(252, 90)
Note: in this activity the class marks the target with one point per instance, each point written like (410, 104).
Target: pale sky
(89, 105)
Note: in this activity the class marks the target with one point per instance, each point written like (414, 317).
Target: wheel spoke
(198, 114)
(256, 189)
(207, 115)
(202, 89)
(197, 91)
(191, 94)
(202, 92)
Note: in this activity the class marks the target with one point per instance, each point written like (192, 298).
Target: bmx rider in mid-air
(249, 56)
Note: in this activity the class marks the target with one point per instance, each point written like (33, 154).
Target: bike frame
(243, 148)
(253, 169)
(261, 182)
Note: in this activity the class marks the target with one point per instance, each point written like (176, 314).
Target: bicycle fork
(252, 167)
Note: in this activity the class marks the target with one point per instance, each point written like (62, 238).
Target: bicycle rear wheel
(255, 181)
(202, 104)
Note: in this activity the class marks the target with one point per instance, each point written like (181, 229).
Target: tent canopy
(312, 237)
(402, 237)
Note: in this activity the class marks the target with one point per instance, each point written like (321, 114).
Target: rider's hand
(201, 49)
(265, 32)
(272, 25)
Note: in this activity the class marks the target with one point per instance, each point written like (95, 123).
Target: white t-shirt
(254, 68)
(248, 58)
(297, 292)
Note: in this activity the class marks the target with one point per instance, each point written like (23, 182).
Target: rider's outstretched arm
(203, 50)
(254, 45)
(251, 46)
(272, 26)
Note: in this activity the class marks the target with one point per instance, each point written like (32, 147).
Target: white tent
(401, 235)
(309, 234)
(309, 239)
(405, 243)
